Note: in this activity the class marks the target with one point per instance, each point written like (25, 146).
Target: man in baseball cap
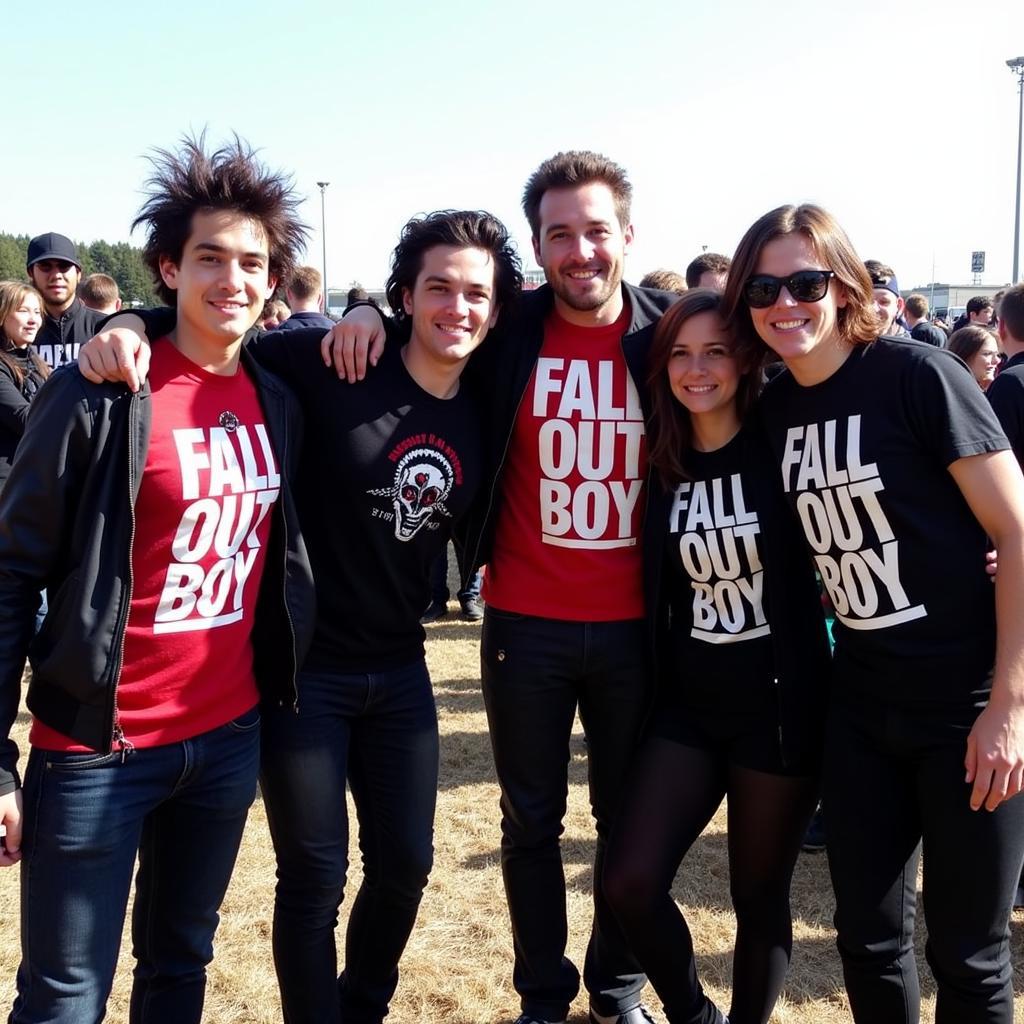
(54, 268)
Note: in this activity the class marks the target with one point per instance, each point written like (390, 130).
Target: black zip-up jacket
(799, 639)
(59, 338)
(501, 372)
(66, 524)
(15, 400)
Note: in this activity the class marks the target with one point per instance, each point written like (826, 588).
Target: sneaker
(814, 839)
(525, 1018)
(637, 1015)
(437, 610)
(472, 608)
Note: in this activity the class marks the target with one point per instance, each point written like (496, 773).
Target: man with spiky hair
(162, 524)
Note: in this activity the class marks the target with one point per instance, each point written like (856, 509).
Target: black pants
(535, 672)
(378, 732)
(894, 784)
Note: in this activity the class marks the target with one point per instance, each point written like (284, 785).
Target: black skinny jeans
(535, 672)
(894, 784)
(379, 731)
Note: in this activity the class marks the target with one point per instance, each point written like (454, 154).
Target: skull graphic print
(423, 480)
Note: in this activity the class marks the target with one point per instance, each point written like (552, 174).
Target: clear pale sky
(899, 117)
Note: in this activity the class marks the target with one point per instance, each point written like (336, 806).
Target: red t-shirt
(202, 521)
(567, 540)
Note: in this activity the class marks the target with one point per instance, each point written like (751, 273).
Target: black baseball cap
(52, 246)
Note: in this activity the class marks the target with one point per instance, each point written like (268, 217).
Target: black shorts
(748, 737)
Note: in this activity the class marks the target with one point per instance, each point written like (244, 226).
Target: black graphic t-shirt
(385, 469)
(719, 626)
(1006, 396)
(864, 458)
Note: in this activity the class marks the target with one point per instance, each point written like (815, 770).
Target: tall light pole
(1017, 67)
(322, 185)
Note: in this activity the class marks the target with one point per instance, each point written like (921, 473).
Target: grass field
(457, 968)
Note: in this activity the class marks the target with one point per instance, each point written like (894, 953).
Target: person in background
(100, 292)
(54, 269)
(22, 372)
(708, 270)
(915, 312)
(888, 300)
(979, 349)
(665, 280)
(305, 296)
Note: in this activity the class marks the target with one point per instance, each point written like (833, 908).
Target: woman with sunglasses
(896, 469)
(743, 668)
(22, 372)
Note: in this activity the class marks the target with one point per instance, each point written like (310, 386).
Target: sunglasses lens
(761, 291)
(808, 285)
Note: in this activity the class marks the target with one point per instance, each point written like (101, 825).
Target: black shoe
(1018, 900)
(437, 610)
(472, 608)
(637, 1015)
(525, 1018)
(814, 839)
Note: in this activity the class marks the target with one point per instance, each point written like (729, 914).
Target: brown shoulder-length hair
(967, 341)
(859, 322)
(12, 295)
(670, 432)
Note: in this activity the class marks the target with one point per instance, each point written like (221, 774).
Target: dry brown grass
(457, 968)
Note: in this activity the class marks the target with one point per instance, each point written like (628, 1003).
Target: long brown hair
(858, 321)
(670, 433)
(12, 295)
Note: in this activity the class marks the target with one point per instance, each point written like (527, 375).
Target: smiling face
(452, 304)
(889, 306)
(57, 282)
(984, 363)
(703, 372)
(804, 334)
(582, 247)
(22, 324)
(221, 281)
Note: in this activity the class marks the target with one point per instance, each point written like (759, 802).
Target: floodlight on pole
(322, 185)
(1017, 67)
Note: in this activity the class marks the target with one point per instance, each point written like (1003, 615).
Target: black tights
(674, 792)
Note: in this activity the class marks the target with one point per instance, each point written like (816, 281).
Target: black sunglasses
(761, 290)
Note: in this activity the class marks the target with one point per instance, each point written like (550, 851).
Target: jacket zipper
(117, 733)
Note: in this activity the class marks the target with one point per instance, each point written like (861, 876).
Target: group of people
(232, 596)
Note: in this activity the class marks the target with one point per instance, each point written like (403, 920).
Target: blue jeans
(535, 673)
(439, 592)
(378, 731)
(182, 808)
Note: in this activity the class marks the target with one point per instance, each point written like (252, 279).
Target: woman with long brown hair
(743, 664)
(22, 372)
(897, 469)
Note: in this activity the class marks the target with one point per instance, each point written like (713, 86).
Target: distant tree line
(123, 262)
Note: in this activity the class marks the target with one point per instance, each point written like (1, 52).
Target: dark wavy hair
(190, 180)
(670, 432)
(858, 321)
(463, 229)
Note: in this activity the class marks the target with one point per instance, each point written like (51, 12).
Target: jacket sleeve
(13, 404)
(37, 507)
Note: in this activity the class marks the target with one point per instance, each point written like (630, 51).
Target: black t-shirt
(929, 334)
(719, 627)
(385, 469)
(864, 458)
(1006, 395)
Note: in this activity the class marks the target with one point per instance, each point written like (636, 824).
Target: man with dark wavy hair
(163, 526)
